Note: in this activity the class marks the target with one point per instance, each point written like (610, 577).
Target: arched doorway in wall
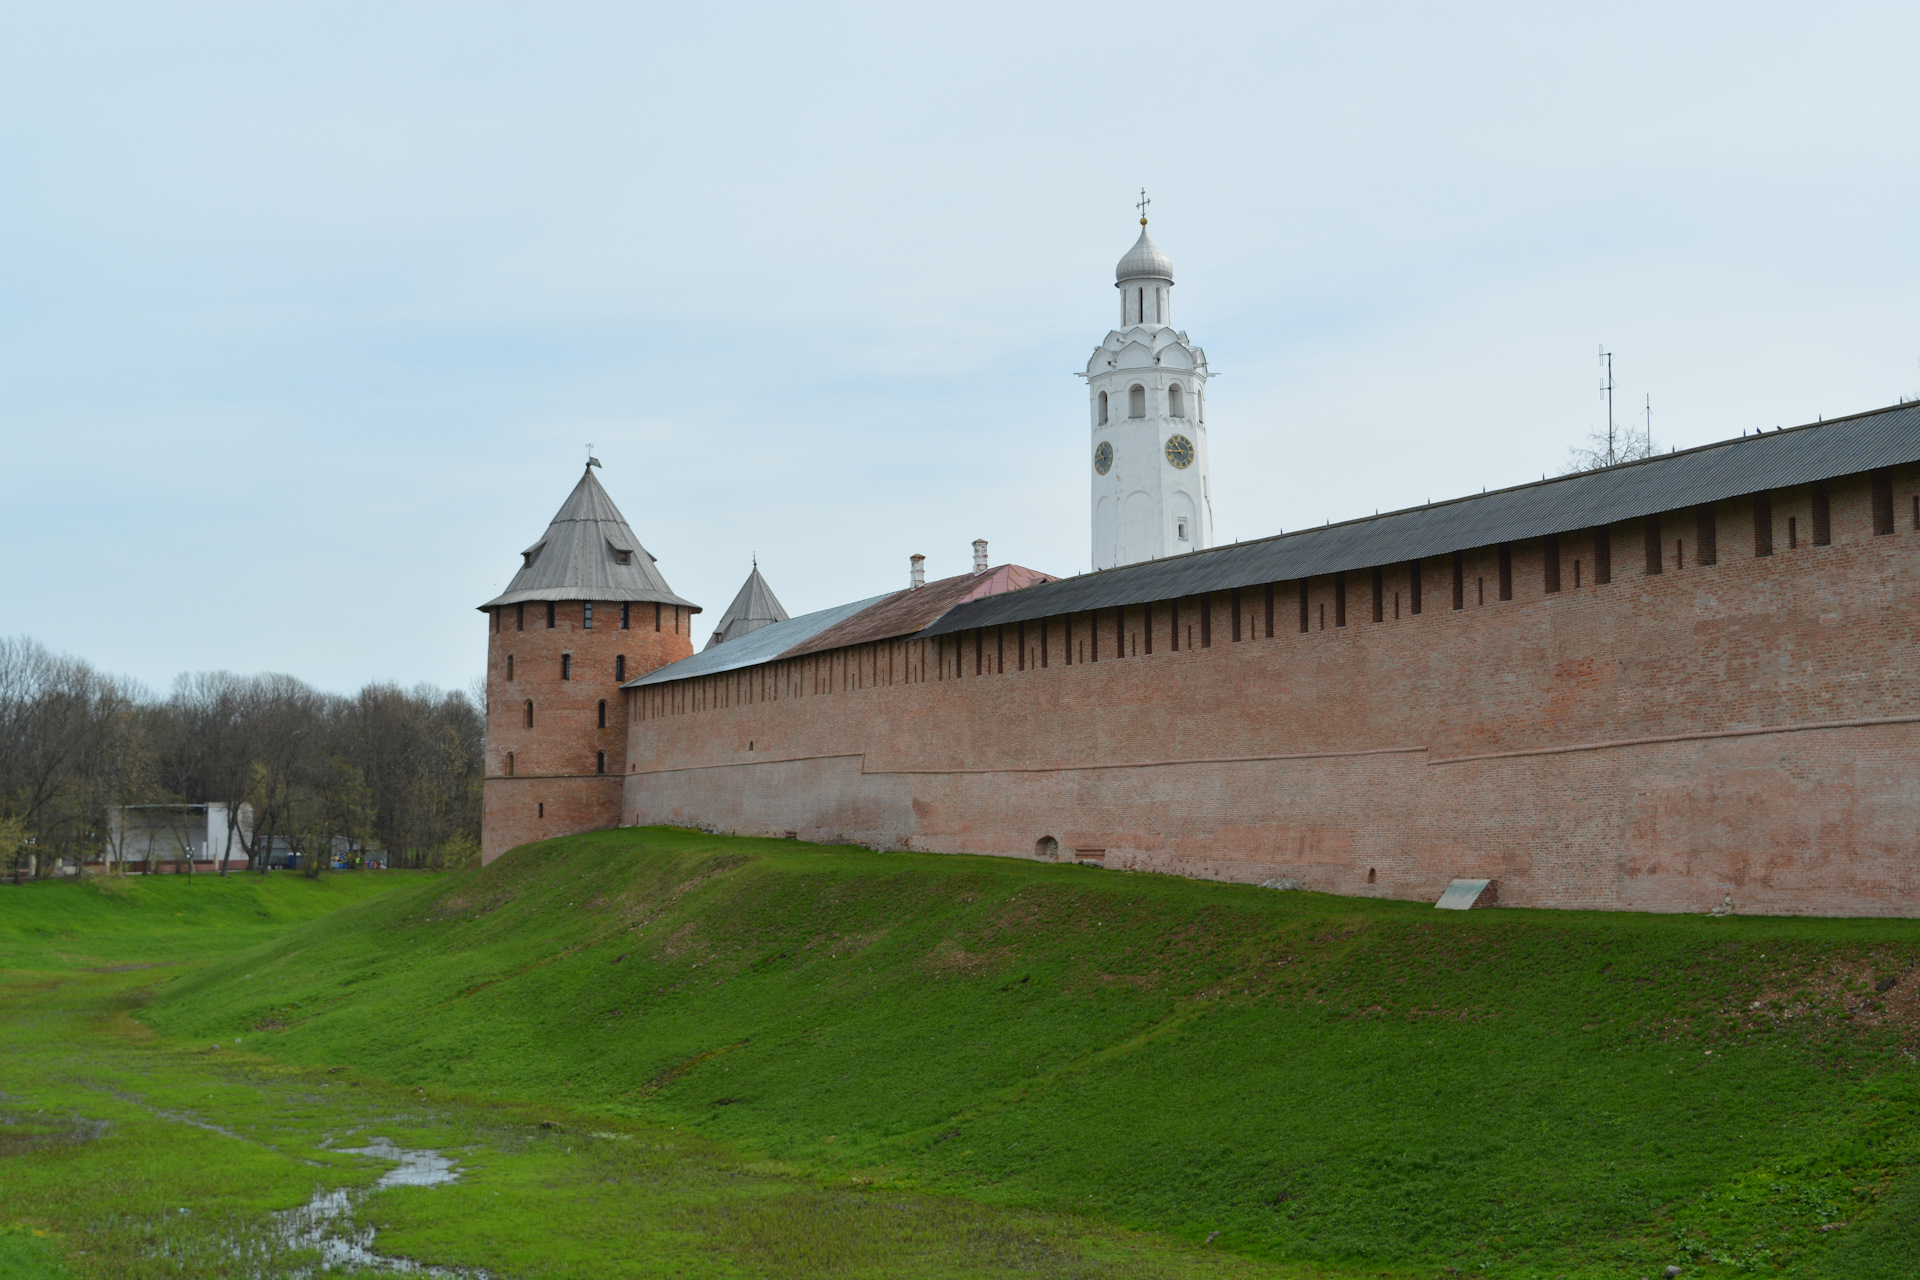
(1046, 847)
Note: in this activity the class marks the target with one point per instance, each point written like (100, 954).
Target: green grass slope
(54, 925)
(1325, 1080)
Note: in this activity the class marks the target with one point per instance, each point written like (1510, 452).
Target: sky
(308, 313)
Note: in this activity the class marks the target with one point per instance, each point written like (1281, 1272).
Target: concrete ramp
(1464, 895)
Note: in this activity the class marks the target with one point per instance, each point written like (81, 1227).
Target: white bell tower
(1147, 396)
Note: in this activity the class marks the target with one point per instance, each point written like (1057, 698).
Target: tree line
(319, 773)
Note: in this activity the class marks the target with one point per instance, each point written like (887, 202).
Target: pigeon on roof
(754, 608)
(588, 553)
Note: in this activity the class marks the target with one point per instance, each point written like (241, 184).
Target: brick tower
(587, 611)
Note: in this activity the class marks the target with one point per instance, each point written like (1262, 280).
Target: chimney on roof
(979, 554)
(919, 574)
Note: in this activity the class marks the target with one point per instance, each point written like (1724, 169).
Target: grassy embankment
(127, 1154)
(1360, 1086)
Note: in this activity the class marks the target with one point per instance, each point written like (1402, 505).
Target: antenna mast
(1606, 389)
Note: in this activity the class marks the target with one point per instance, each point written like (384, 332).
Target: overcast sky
(310, 311)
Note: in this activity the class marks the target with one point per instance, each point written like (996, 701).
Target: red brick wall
(1610, 746)
(552, 785)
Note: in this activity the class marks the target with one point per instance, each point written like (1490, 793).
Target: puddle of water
(325, 1223)
(413, 1168)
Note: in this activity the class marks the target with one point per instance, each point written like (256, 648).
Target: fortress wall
(551, 786)
(1606, 746)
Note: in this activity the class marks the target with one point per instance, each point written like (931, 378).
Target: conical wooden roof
(588, 553)
(754, 608)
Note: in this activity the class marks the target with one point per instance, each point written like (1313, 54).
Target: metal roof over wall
(1669, 482)
(758, 646)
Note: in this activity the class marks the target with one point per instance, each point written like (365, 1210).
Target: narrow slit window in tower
(626, 610)
(620, 669)
(529, 713)
(600, 762)
(1305, 616)
(1651, 528)
(1602, 556)
(1459, 579)
(509, 764)
(1413, 586)
(566, 666)
(1379, 594)
(1340, 598)
(1550, 563)
(1506, 571)
(586, 616)
(1822, 515)
(520, 617)
(1883, 500)
(603, 714)
(509, 666)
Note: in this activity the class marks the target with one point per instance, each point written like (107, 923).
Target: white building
(1147, 395)
(149, 837)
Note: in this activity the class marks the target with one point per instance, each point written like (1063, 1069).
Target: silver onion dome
(1144, 261)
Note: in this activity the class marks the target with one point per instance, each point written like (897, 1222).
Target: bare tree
(298, 769)
(71, 743)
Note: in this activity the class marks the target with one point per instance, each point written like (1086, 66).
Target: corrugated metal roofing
(579, 557)
(756, 647)
(905, 612)
(1711, 473)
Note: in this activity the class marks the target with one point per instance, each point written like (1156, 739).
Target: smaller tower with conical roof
(587, 611)
(754, 608)
(1147, 398)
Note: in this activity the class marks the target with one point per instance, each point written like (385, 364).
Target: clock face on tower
(1103, 458)
(1180, 451)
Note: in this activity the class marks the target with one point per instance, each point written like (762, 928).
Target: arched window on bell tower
(1176, 402)
(1137, 402)
(1103, 408)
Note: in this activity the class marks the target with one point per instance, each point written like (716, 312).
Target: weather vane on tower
(1141, 205)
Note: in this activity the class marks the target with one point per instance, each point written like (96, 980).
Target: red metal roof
(906, 612)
